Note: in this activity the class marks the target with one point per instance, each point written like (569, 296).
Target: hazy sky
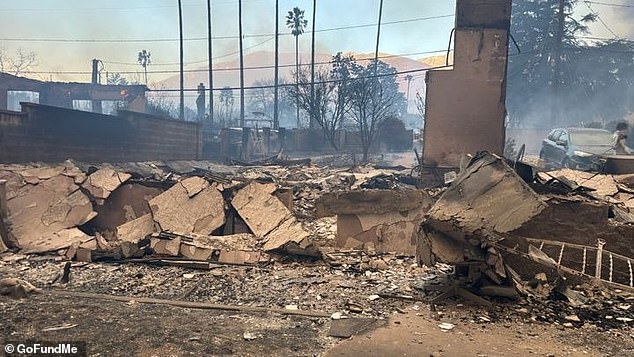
(153, 25)
(85, 26)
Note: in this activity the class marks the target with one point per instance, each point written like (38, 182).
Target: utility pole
(182, 79)
(559, 38)
(276, 119)
(241, 65)
(96, 104)
(211, 75)
(378, 36)
(408, 78)
(312, 72)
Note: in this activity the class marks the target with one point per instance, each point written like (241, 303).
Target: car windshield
(591, 138)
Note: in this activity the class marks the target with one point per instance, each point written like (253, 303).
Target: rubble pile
(354, 242)
(576, 306)
(191, 210)
(352, 284)
(55, 209)
(503, 229)
(583, 306)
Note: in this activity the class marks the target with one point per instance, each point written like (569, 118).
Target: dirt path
(132, 329)
(409, 328)
(412, 335)
(120, 329)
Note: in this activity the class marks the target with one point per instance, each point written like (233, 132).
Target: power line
(215, 37)
(600, 19)
(118, 8)
(606, 39)
(386, 23)
(229, 69)
(128, 40)
(234, 68)
(194, 62)
(318, 82)
(608, 4)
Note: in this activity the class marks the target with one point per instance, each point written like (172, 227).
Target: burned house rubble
(390, 239)
(360, 212)
(493, 218)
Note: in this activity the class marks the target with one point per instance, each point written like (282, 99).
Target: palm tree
(296, 23)
(144, 61)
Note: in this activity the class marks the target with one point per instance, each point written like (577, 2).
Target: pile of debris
(507, 235)
(103, 213)
(496, 227)
(181, 211)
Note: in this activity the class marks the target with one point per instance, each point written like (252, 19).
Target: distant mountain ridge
(259, 68)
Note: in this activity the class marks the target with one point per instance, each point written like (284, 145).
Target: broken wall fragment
(128, 202)
(270, 219)
(259, 208)
(101, 183)
(486, 201)
(202, 213)
(136, 230)
(386, 219)
(37, 212)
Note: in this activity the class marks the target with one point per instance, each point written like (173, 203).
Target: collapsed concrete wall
(381, 220)
(491, 217)
(53, 134)
(104, 214)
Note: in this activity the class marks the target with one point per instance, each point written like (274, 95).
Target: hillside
(436, 61)
(227, 73)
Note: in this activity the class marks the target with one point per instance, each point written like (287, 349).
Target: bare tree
(225, 106)
(116, 79)
(374, 98)
(4, 59)
(263, 99)
(18, 63)
(326, 98)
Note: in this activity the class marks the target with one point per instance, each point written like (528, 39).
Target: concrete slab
(367, 202)
(55, 241)
(42, 210)
(175, 211)
(136, 230)
(259, 208)
(102, 182)
(128, 202)
(290, 231)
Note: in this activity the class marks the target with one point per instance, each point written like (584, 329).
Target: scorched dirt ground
(401, 327)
